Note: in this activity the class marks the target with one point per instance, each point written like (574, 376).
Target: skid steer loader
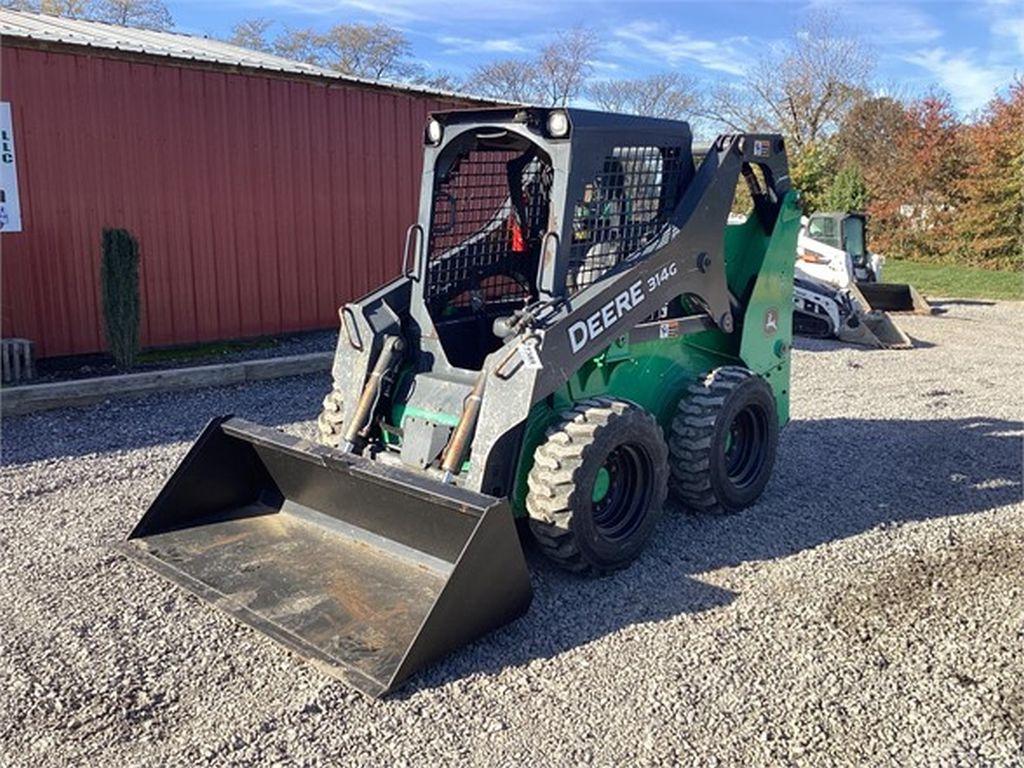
(576, 332)
(833, 248)
(837, 292)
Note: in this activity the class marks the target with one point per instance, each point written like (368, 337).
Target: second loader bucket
(368, 571)
(894, 297)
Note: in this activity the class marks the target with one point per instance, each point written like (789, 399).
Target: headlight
(558, 124)
(434, 131)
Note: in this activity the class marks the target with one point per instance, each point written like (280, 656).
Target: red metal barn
(263, 192)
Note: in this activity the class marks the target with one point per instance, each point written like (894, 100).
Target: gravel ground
(869, 610)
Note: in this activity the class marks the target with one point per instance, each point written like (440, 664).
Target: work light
(558, 124)
(434, 131)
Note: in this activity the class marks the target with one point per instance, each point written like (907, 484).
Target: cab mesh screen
(490, 213)
(624, 209)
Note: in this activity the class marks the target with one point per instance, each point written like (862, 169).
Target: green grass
(955, 281)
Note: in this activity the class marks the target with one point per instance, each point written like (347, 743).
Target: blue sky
(968, 49)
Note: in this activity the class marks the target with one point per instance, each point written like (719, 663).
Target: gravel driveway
(869, 610)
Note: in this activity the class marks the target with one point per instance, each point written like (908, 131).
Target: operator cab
(489, 215)
(845, 231)
(534, 204)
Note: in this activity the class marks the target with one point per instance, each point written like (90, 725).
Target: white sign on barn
(10, 208)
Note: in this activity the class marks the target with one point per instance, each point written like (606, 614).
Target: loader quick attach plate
(368, 571)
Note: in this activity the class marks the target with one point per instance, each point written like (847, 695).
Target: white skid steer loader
(834, 272)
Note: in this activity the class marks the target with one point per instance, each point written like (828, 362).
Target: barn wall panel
(260, 203)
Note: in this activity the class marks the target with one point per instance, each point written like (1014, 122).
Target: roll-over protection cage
(511, 215)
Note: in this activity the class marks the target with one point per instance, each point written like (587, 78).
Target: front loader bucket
(894, 297)
(368, 571)
(874, 329)
(855, 331)
(889, 335)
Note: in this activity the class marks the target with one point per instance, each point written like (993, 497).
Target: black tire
(723, 442)
(330, 424)
(602, 445)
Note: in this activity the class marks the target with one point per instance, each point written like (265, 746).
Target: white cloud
(1007, 21)
(644, 40)
(882, 23)
(969, 81)
(453, 44)
(408, 11)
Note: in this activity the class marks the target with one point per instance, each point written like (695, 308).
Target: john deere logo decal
(771, 321)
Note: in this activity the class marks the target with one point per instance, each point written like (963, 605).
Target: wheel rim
(622, 491)
(745, 445)
(601, 485)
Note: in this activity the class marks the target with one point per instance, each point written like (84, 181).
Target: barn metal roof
(94, 34)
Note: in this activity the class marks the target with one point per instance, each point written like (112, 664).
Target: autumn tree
(300, 45)
(914, 211)
(370, 51)
(991, 220)
(812, 171)
(870, 133)
(144, 14)
(439, 80)
(667, 95)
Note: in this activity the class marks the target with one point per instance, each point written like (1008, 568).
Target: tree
(21, 5)
(71, 9)
(872, 138)
(812, 169)
(144, 14)
(915, 209)
(119, 282)
(668, 95)
(565, 63)
(512, 80)
(439, 81)
(803, 90)
(252, 34)
(300, 45)
(871, 131)
(555, 77)
(371, 51)
(991, 220)
(846, 192)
